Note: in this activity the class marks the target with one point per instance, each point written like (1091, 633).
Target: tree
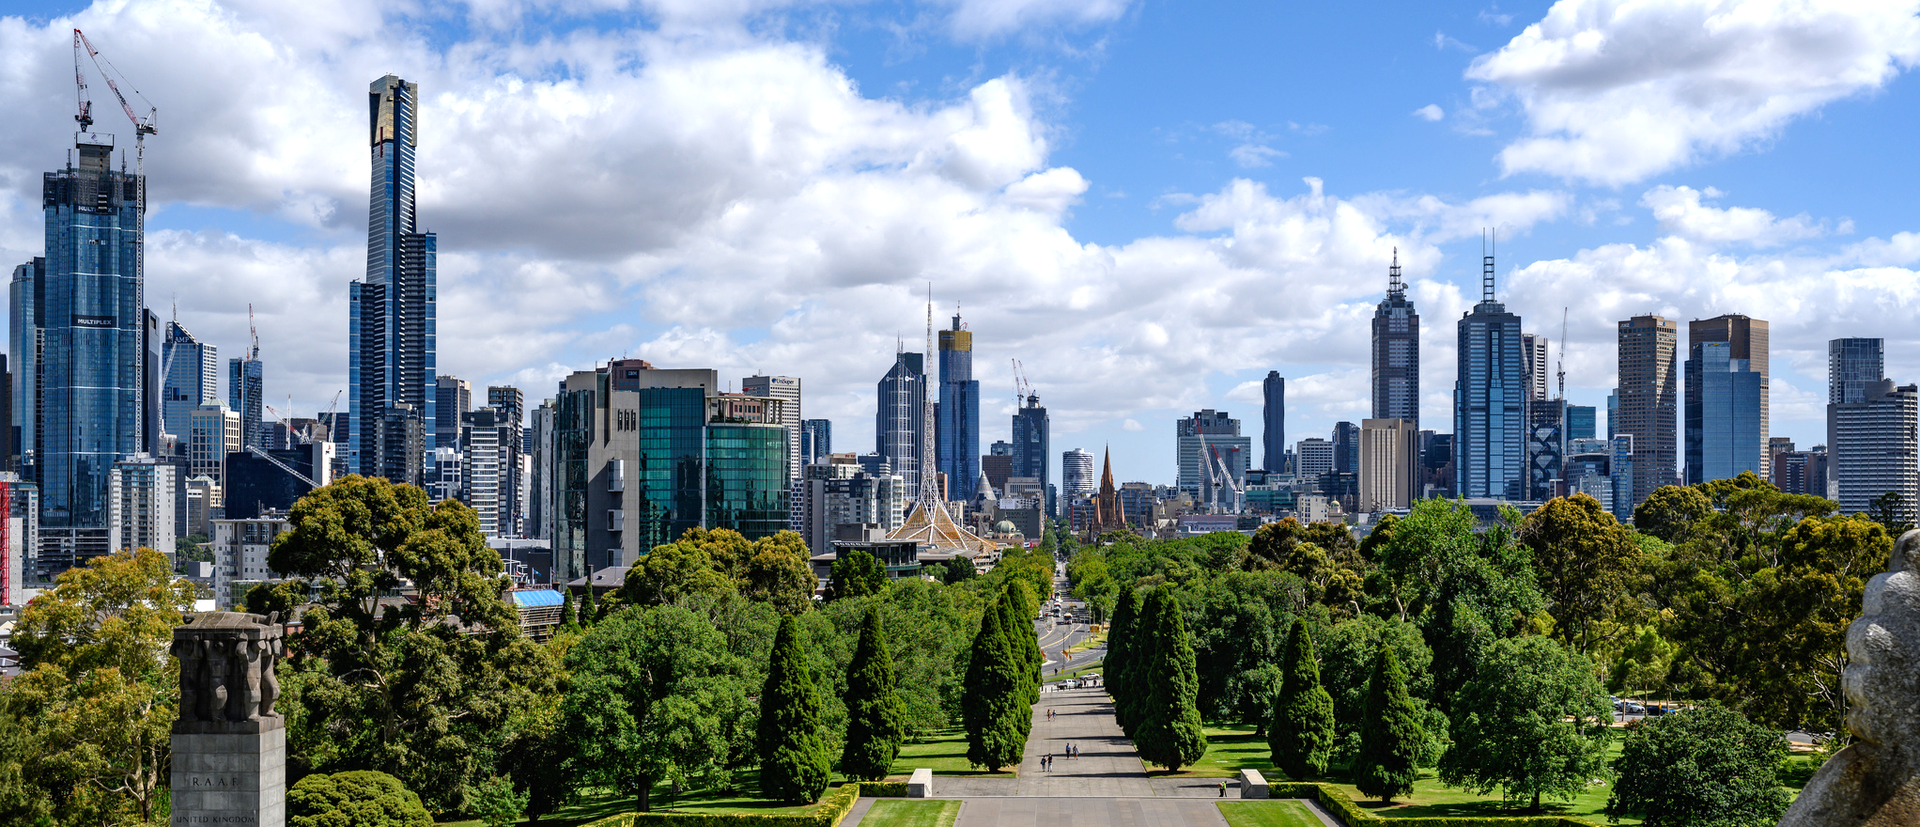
(994, 707)
(858, 574)
(400, 686)
(1301, 736)
(360, 798)
(1124, 648)
(1533, 722)
(569, 619)
(1390, 737)
(1669, 511)
(95, 649)
(876, 719)
(958, 569)
(779, 573)
(1707, 766)
(673, 571)
(1169, 733)
(793, 755)
(1584, 560)
(497, 803)
(656, 696)
(1018, 607)
(1892, 512)
(589, 610)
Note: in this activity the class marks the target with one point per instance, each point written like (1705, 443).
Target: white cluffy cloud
(1430, 112)
(1618, 90)
(1679, 211)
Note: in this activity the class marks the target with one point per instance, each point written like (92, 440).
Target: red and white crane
(142, 125)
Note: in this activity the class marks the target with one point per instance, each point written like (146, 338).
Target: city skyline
(1688, 250)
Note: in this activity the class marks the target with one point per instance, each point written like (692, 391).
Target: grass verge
(1266, 814)
(945, 754)
(894, 812)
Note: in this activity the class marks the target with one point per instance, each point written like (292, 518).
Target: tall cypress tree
(568, 618)
(589, 612)
(1390, 733)
(994, 708)
(1017, 620)
(1301, 734)
(1123, 648)
(794, 765)
(876, 718)
(1169, 732)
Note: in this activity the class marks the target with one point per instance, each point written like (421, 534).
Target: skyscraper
(26, 307)
(192, 380)
(452, 398)
(1876, 444)
(1208, 445)
(1076, 474)
(1646, 406)
(1853, 366)
(816, 441)
(1746, 339)
(1534, 352)
(1489, 399)
(957, 430)
(1346, 447)
(96, 382)
(1030, 441)
(246, 382)
(1580, 422)
(1396, 353)
(1389, 464)
(902, 417)
(509, 405)
(1723, 415)
(787, 390)
(1273, 420)
(391, 314)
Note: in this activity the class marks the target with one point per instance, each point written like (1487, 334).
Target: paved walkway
(1084, 812)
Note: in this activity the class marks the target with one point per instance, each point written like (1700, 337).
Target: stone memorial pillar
(229, 746)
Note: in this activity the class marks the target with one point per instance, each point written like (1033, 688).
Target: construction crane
(1560, 362)
(1224, 478)
(254, 450)
(253, 335)
(142, 126)
(331, 418)
(1021, 388)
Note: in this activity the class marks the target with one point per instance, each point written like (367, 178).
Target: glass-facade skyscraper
(1273, 419)
(390, 365)
(1646, 406)
(1723, 414)
(747, 478)
(957, 419)
(901, 418)
(1031, 457)
(1489, 400)
(816, 441)
(1747, 339)
(1396, 354)
(246, 382)
(192, 378)
(97, 369)
(1853, 366)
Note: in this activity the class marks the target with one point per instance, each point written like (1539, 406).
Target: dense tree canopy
(1532, 723)
(1703, 767)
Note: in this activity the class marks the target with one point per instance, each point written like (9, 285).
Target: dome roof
(1006, 527)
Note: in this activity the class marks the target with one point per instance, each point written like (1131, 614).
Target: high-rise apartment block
(957, 427)
(392, 387)
(192, 380)
(1534, 355)
(1489, 400)
(1724, 414)
(1389, 464)
(141, 503)
(1746, 339)
(1314, 457)
(902, 417)
(213, 433)
(1273, 420)
(488, 443)
(1213, 459)
(1876, 448)
(1646, 406)
(1396, 354)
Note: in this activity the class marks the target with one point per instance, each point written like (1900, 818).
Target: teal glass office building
(746, 478)
(1723, 414)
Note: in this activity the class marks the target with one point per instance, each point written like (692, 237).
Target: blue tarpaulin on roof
(543, 597)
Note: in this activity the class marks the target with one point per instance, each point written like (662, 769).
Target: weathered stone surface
(229, 745)
(1875, 782)
(920, 784)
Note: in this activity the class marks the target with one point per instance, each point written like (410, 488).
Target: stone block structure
(229, 745)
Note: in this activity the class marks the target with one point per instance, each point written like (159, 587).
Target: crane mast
(142, 126)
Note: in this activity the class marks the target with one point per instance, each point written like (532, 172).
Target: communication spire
(1489, 242)
(1395, 287)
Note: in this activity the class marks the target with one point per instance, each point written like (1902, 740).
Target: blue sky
(1149, 204)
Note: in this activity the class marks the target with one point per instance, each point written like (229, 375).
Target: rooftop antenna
(1560, 364)
(1395, 287)
(1489, 243)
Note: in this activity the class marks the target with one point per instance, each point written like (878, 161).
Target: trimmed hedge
(883, 789)
(827, 813)
(1349, 813)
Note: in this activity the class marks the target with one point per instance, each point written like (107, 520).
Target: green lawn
(590, 805)
(597, 803)
(1431, 798)
(945, 754)
(1231, 749)
(1265, 814)
(898, 812)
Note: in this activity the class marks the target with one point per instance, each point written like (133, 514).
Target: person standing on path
(1223, 789)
